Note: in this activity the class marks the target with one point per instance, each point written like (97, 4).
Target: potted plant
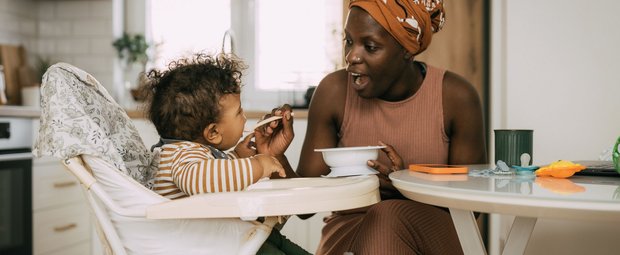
(131, 49)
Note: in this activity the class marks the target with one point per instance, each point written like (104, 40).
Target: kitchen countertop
(19, 111)
(32, 112)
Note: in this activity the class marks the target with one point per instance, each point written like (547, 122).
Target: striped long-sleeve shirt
(187, 168)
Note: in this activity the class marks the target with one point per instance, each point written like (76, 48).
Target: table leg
(467, 229)
(519, 235)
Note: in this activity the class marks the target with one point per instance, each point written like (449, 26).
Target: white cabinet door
(60, 227)
(61, 220)
(52, 185)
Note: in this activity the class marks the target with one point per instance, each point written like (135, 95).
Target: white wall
(555, 67)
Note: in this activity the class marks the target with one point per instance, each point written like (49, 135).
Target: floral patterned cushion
(78, 116)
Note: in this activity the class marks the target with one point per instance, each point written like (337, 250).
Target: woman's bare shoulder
(331, 89)
(461, 103)
(457, 89)
(334, 82)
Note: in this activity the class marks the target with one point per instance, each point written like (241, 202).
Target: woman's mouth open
(359, 81)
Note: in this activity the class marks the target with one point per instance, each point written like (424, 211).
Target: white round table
(524, 196)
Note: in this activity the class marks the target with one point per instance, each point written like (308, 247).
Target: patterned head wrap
(411, 22)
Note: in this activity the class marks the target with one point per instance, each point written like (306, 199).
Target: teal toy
(525, 168)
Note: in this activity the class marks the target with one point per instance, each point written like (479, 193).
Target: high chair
(93, 136)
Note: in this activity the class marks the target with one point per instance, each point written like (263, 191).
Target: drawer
(52, 185)
(78, 249)
(60, 227)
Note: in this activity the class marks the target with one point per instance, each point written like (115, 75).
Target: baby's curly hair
(184, 99)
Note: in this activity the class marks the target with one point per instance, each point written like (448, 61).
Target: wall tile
(10, 23)
(101, 9)
(46, 10)
(92, 27)
(4, 5)
(55, 58)
(28, 27)
(72, 9)
(12, 39)
(102, 46)
(94, 63)
(23, 8)
(76, 32)
(73, 46)
(54, 28)
(104, 78)
(46, 47)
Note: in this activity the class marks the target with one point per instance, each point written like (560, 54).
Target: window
(180, 28)
(288, 45)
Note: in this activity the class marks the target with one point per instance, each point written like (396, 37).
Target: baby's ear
(212, 134)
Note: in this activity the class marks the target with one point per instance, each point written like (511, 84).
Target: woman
(420, 112)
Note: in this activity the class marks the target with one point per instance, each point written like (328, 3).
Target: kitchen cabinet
(61, 221)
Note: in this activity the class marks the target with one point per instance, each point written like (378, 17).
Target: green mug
(510, 144)
(616, 155)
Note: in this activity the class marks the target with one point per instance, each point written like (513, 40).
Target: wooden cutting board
(26, 75)
(12, 57)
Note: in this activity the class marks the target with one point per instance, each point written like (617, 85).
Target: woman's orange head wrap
(411, 22)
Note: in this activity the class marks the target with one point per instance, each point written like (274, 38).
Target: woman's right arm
(324, 119)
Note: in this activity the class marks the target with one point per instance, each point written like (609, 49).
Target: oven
(15, 186)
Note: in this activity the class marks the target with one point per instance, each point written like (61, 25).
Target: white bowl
(347, 161)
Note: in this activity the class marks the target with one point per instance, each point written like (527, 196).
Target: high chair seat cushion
(78, 116)
(174, 236)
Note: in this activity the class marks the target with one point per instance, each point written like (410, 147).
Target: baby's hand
(246, 148)
(270, 165)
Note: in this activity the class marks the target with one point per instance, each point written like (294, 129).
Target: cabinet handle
(64, 184)
(65, 227)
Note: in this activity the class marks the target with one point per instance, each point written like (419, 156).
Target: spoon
(265, 121)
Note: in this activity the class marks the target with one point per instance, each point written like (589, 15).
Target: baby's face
(232, 120)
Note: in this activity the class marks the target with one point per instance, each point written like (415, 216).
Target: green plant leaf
(131, 47)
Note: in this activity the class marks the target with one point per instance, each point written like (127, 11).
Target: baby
(196, 109)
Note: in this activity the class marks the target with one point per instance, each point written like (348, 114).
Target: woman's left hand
(274, 138)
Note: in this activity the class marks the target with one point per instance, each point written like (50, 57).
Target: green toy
(616, 155)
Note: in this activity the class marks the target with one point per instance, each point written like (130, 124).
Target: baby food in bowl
(348, 161)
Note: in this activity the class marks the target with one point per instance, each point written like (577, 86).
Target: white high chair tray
(275, 197)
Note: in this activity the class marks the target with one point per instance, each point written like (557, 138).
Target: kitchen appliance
(15, 186)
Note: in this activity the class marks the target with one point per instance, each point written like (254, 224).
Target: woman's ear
(212, 135)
